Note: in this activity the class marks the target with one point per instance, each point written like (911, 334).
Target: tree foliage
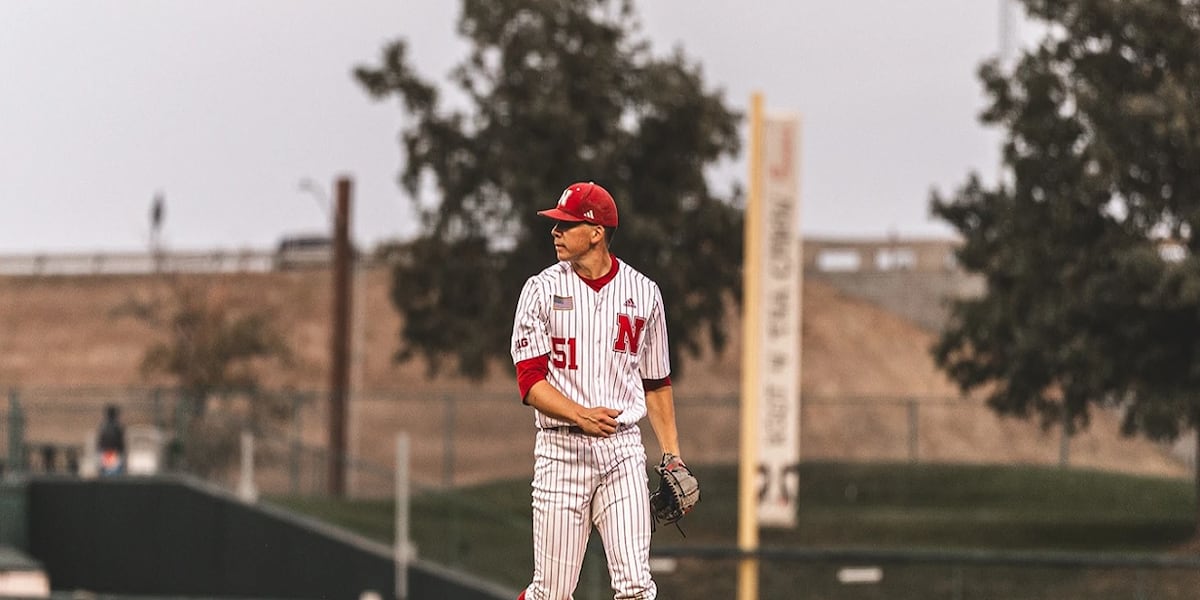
(209, 347)
(557, 91)
(1089, 243)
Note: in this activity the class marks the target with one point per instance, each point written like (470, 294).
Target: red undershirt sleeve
(653, 384)
(531, 371)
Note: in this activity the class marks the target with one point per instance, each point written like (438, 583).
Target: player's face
(572, 239)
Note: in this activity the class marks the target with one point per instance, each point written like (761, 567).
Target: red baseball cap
(584, 201)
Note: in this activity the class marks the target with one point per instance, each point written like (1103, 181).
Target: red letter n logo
(629, 333)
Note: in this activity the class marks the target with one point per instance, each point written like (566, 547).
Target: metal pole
(157, 211)
(294, 445)
(454, 535)
(914, 419)
(448, 439)
(1064, 441)
(354, 394)
(16, 433)
(246, 488)
(401, 546)
(340, 352)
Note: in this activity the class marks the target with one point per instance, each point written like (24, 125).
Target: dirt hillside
(870, 390)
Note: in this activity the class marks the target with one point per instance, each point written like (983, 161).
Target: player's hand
(599, 421)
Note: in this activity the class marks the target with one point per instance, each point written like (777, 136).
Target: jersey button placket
(599, 309)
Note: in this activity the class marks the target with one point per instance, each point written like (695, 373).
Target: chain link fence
(463, 437)
(469, 438)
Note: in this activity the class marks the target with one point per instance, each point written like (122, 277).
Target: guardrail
(830, 256)
(148, 263)
(137, 263)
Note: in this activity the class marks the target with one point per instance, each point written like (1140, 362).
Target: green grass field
(485, 530)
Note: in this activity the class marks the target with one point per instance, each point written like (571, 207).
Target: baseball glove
(677, 493)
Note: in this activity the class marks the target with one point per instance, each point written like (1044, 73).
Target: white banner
(779, 323)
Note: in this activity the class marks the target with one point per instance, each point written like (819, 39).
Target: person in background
(111, 442)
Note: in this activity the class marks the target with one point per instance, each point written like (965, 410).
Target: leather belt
(579, 430)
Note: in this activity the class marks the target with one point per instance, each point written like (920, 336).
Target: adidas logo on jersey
(629, 303)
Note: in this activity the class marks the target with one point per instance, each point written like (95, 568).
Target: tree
(1089, 243)
(558, 91)
(210, 349)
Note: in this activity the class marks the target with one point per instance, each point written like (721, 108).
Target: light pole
(318, 193)
(157, 214)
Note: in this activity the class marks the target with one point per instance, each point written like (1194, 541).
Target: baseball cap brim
(558, 215)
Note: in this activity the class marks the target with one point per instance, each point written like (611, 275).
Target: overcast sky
(225, 106)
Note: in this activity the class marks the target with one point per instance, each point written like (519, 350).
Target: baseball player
(590, 347)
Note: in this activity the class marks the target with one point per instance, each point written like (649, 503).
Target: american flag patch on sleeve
(563, 303)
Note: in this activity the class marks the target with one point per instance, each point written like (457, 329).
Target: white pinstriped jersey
(601, 344)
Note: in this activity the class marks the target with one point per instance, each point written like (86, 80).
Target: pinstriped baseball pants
(580, 482)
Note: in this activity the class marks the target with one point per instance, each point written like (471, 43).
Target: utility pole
(157, 212)
(340, 352)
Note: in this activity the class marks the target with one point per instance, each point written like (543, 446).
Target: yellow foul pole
(747, 588)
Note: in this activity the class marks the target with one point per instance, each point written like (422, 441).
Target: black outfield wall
(167, 536)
